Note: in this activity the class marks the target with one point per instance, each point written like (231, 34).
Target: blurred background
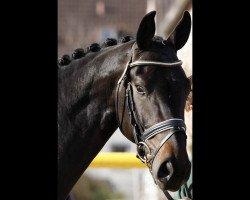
(82, 22)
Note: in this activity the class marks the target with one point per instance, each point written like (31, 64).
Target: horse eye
(140, 89)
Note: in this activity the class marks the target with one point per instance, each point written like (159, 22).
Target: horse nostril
(165, 171)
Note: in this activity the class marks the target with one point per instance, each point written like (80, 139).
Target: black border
(29, 100)
(203, 100)
(219, 100)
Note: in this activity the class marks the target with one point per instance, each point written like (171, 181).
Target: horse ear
(182, 31)
(146, 30)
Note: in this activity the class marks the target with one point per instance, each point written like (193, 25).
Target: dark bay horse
(136, 85)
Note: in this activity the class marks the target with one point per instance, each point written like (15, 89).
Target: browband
(144, 62)
(162, 64)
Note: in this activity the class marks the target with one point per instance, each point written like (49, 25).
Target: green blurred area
(89, 188)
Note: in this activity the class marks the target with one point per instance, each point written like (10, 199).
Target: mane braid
(78, 53)
(64, 60)
(126, 39)
(109, 42)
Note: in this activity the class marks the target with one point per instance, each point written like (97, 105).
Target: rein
(174, 125)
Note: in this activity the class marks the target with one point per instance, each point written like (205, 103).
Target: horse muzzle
(171, 167)
(170, 177)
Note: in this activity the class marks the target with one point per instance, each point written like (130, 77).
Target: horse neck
(86, 110)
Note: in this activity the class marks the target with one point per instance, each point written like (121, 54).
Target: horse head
(151, 97)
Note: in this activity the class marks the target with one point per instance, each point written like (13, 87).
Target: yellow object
(117, 160)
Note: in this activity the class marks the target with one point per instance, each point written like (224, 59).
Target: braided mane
(94, 47)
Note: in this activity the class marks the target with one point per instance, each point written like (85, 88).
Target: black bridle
(174, 125)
